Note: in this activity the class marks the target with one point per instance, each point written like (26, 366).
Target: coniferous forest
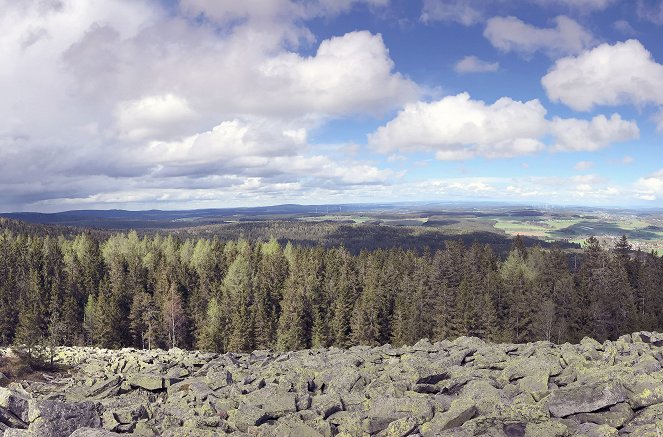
(158, 291)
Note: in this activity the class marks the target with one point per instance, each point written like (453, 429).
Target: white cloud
(153, 116)
(590, 135)
(622, 73)
(472, 64)
(126, 96)
(650, 187)
(511, 34)
(583, 165)
(348, 74)
(466, 12)
(457, 127)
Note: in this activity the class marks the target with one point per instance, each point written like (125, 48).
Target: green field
(544, 229)
(641, 233)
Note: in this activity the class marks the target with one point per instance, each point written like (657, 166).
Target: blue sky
(197, 103)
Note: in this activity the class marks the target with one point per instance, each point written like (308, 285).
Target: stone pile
(465, 387)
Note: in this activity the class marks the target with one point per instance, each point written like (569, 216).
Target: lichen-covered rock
(57, 419)
(148, 381)
(585, 398)
(459, 413)
(14, 403)
(465, 387)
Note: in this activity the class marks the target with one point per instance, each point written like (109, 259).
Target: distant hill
(122, 219)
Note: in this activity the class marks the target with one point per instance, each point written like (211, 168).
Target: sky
(183, 104)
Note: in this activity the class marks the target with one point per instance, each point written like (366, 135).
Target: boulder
(271, 402)
(401, 427)
(586, 398)
(327, 404)
(383, 411)
(459, 413)
(616, 416)
(14, 403)
(247, 415)
(147, 381)
(60, 419)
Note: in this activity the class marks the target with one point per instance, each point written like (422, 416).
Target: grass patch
(18, 365)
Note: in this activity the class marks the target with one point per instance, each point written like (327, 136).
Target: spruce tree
(210, 338)
(237, 288)
(31, 330)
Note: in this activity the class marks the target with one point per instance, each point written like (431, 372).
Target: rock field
(465, 387)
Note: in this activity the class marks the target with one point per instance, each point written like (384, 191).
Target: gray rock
(14, 403)
(327, 404)
(271, 402)
(92, 432)
(616, 416)
(454, 388)
(586, 398)
(148, 381)
(60, 419)
(247, 416)
(460, 412)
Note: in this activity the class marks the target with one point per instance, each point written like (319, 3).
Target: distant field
(642, 233)
(342, 223)
(542, 228)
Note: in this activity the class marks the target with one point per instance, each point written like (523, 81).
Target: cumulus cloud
(590, 135)
(153, 116)
(610, 74)
(458, 127)
(348, 74)
(122, 100)
(472, 64)
(650, 187)
(511, 34)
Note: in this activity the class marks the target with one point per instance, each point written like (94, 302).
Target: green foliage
(148, 292)
(211, 333)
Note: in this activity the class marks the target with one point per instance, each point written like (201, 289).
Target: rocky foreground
(465, 387)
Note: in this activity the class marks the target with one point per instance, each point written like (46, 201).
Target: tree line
(239, 295)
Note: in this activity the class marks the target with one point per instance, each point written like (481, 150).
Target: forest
(151, 291)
